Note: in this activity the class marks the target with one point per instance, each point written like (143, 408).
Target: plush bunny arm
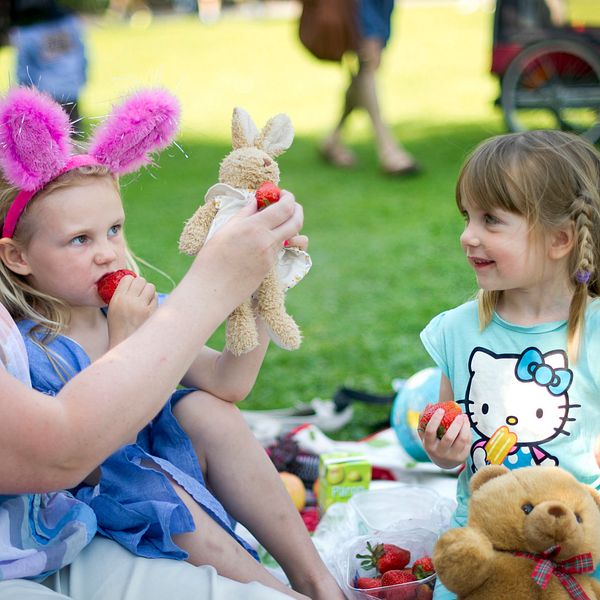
(196, 229)
(270, 300)
(463, 559)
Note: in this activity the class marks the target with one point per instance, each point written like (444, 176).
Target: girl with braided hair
(522, 358)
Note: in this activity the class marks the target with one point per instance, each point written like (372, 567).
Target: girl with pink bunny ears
(174, 490)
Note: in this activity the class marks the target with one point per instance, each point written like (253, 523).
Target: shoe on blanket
(325, 414)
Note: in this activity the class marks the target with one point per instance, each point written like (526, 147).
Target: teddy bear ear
(143, 123)
(243, 130)
(486, 474)
(276, 136)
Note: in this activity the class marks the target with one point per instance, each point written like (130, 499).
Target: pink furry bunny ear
(142, 124)
(34, 138)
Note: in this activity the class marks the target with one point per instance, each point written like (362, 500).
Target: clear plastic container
(401, 507)
(419, 542)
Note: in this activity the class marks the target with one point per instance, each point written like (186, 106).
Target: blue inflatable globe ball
(419, 390)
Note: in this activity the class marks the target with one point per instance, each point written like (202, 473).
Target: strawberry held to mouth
(108, 283)
(267, 193)
(451, 411)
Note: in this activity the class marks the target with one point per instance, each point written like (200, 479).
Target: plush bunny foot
(270, 306)
(241, 335)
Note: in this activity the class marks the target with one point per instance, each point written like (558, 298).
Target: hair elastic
(583, 276)
(35, 143)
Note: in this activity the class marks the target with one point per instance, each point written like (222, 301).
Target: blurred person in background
(374, 25)
(50, 51)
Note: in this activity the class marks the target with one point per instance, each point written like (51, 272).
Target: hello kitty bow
(546, 566)
(531, 367)
(36, 147)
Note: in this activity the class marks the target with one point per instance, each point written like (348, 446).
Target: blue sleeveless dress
(135, 505)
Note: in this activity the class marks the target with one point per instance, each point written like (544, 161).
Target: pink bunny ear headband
(35, 143)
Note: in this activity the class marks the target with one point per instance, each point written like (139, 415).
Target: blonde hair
(21, 299)
(551, 178)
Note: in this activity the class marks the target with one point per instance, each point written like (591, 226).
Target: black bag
(328, 28)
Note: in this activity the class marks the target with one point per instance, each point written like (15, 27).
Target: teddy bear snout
(556, 511)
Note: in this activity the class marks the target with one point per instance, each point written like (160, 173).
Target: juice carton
(341, 475)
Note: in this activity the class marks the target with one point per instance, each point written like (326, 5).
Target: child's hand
(452, 450)
(132, 303)
(298, 241)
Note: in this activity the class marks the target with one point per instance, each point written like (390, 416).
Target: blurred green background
(385, 251)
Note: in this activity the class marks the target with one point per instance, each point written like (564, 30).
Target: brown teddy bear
(532, 534)
(250, 164)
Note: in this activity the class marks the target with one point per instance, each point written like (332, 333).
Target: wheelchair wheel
(554, 84)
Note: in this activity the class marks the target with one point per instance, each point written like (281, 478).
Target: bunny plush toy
(250, 164)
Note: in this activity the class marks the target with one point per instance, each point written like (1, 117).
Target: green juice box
(341, 475)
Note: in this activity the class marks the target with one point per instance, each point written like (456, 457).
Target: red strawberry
(423, 567)
(384, 557)
(267, 193)
(397, 576)
(368, 583)
(108, 283)
(451, 411)
(423, 592)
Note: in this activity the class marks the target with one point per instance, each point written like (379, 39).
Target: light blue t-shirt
(526, 403)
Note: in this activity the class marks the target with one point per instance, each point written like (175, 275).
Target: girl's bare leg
(210, 544)
(242, 477)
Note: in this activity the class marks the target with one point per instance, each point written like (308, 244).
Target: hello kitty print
(516, 404)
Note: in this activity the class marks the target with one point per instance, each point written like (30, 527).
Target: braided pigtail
(585, 262)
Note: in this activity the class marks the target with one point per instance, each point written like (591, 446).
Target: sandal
(338, 155)
(399, 164)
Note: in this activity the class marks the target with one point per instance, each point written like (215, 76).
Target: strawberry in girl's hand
(267, 193)
(108, 283)
(384, 557)
(423, 567)
(451, 411)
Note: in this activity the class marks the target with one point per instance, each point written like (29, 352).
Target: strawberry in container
(392, 566)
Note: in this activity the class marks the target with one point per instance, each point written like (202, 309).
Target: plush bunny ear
(243, 130)
(276, 136)
(144, 123)
(34, 138)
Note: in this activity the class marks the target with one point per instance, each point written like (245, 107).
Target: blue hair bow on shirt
(531, 367)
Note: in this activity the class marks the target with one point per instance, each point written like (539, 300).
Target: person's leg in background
(375, 29)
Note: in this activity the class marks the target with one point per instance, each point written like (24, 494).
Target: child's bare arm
(452, 450)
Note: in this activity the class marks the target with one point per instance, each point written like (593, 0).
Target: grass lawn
(385, 252)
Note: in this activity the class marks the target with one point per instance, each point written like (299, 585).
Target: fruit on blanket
(267, 193)
(108, 283)
(451, 411)
(384, 557)
(423, 567)
(295, 488)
